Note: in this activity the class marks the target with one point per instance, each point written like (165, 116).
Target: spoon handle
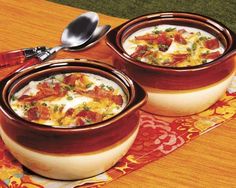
(28, 63)
(16, 57)
(11, 58)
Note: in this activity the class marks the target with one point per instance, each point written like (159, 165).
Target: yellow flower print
(203, 124)
(227, 111)
(207, 113)
(5, 172)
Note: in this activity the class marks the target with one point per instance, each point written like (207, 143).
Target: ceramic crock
(177, 91)
(70, 153)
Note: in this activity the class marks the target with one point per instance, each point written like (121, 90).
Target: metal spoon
(98, 34)
(82, 30)
(75, 34)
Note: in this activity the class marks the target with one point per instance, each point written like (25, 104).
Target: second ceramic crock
(177, 91)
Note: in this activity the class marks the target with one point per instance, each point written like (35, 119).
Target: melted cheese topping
(173, 46)
(68, 100)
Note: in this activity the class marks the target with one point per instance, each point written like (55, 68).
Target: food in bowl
(176, 84)
(69, 151)
(173, 46)
(68, 100)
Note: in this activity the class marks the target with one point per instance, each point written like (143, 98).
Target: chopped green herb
(107, 114)
(69, 98)
(139, 58)
(142, 51)
(156, 31)
(89, 85)
(33, 103)
(61, 107)
(110, 88)
(26, 107)
(204, 61)
(170, 29)
(13, 98)
(163, 47)
(152, 59)
(194, 46)
(55, 109)
(69, 88)
(166, 61)
(203, 38)
(102, 85)
(88, 121)
(207, 52)
(85, 107)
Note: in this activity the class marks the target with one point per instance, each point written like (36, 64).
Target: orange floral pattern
(158, 136)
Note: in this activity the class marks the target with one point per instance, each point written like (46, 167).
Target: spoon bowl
(98, 34)
(75, 34)
(80, 30)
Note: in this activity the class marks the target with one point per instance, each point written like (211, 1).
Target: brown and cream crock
(177, 91)
(70, 153)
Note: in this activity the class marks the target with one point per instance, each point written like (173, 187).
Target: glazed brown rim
(137, 94)
(115, 36)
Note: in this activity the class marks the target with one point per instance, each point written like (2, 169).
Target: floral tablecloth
(158, 136)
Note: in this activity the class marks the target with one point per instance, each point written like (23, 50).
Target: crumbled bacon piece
(69, 112)
(32, 114)
(179, 57)
(212, 44)
(181, 31)
(38, 112)
(148, 37)
(45, 90)
(59, 91)
(161, 39)
(179, 38)
(139, 51)
(71, 79)
(212, 55)
(25, 98)
(93, 116)
(76, 79)
(100, 93)
(79, 121)
(117, 99)
(43, 112)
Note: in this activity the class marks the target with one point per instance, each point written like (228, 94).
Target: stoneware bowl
(177, 91)
(70, 153)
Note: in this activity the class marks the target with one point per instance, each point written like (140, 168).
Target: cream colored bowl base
(69, 167)
(186, 102)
